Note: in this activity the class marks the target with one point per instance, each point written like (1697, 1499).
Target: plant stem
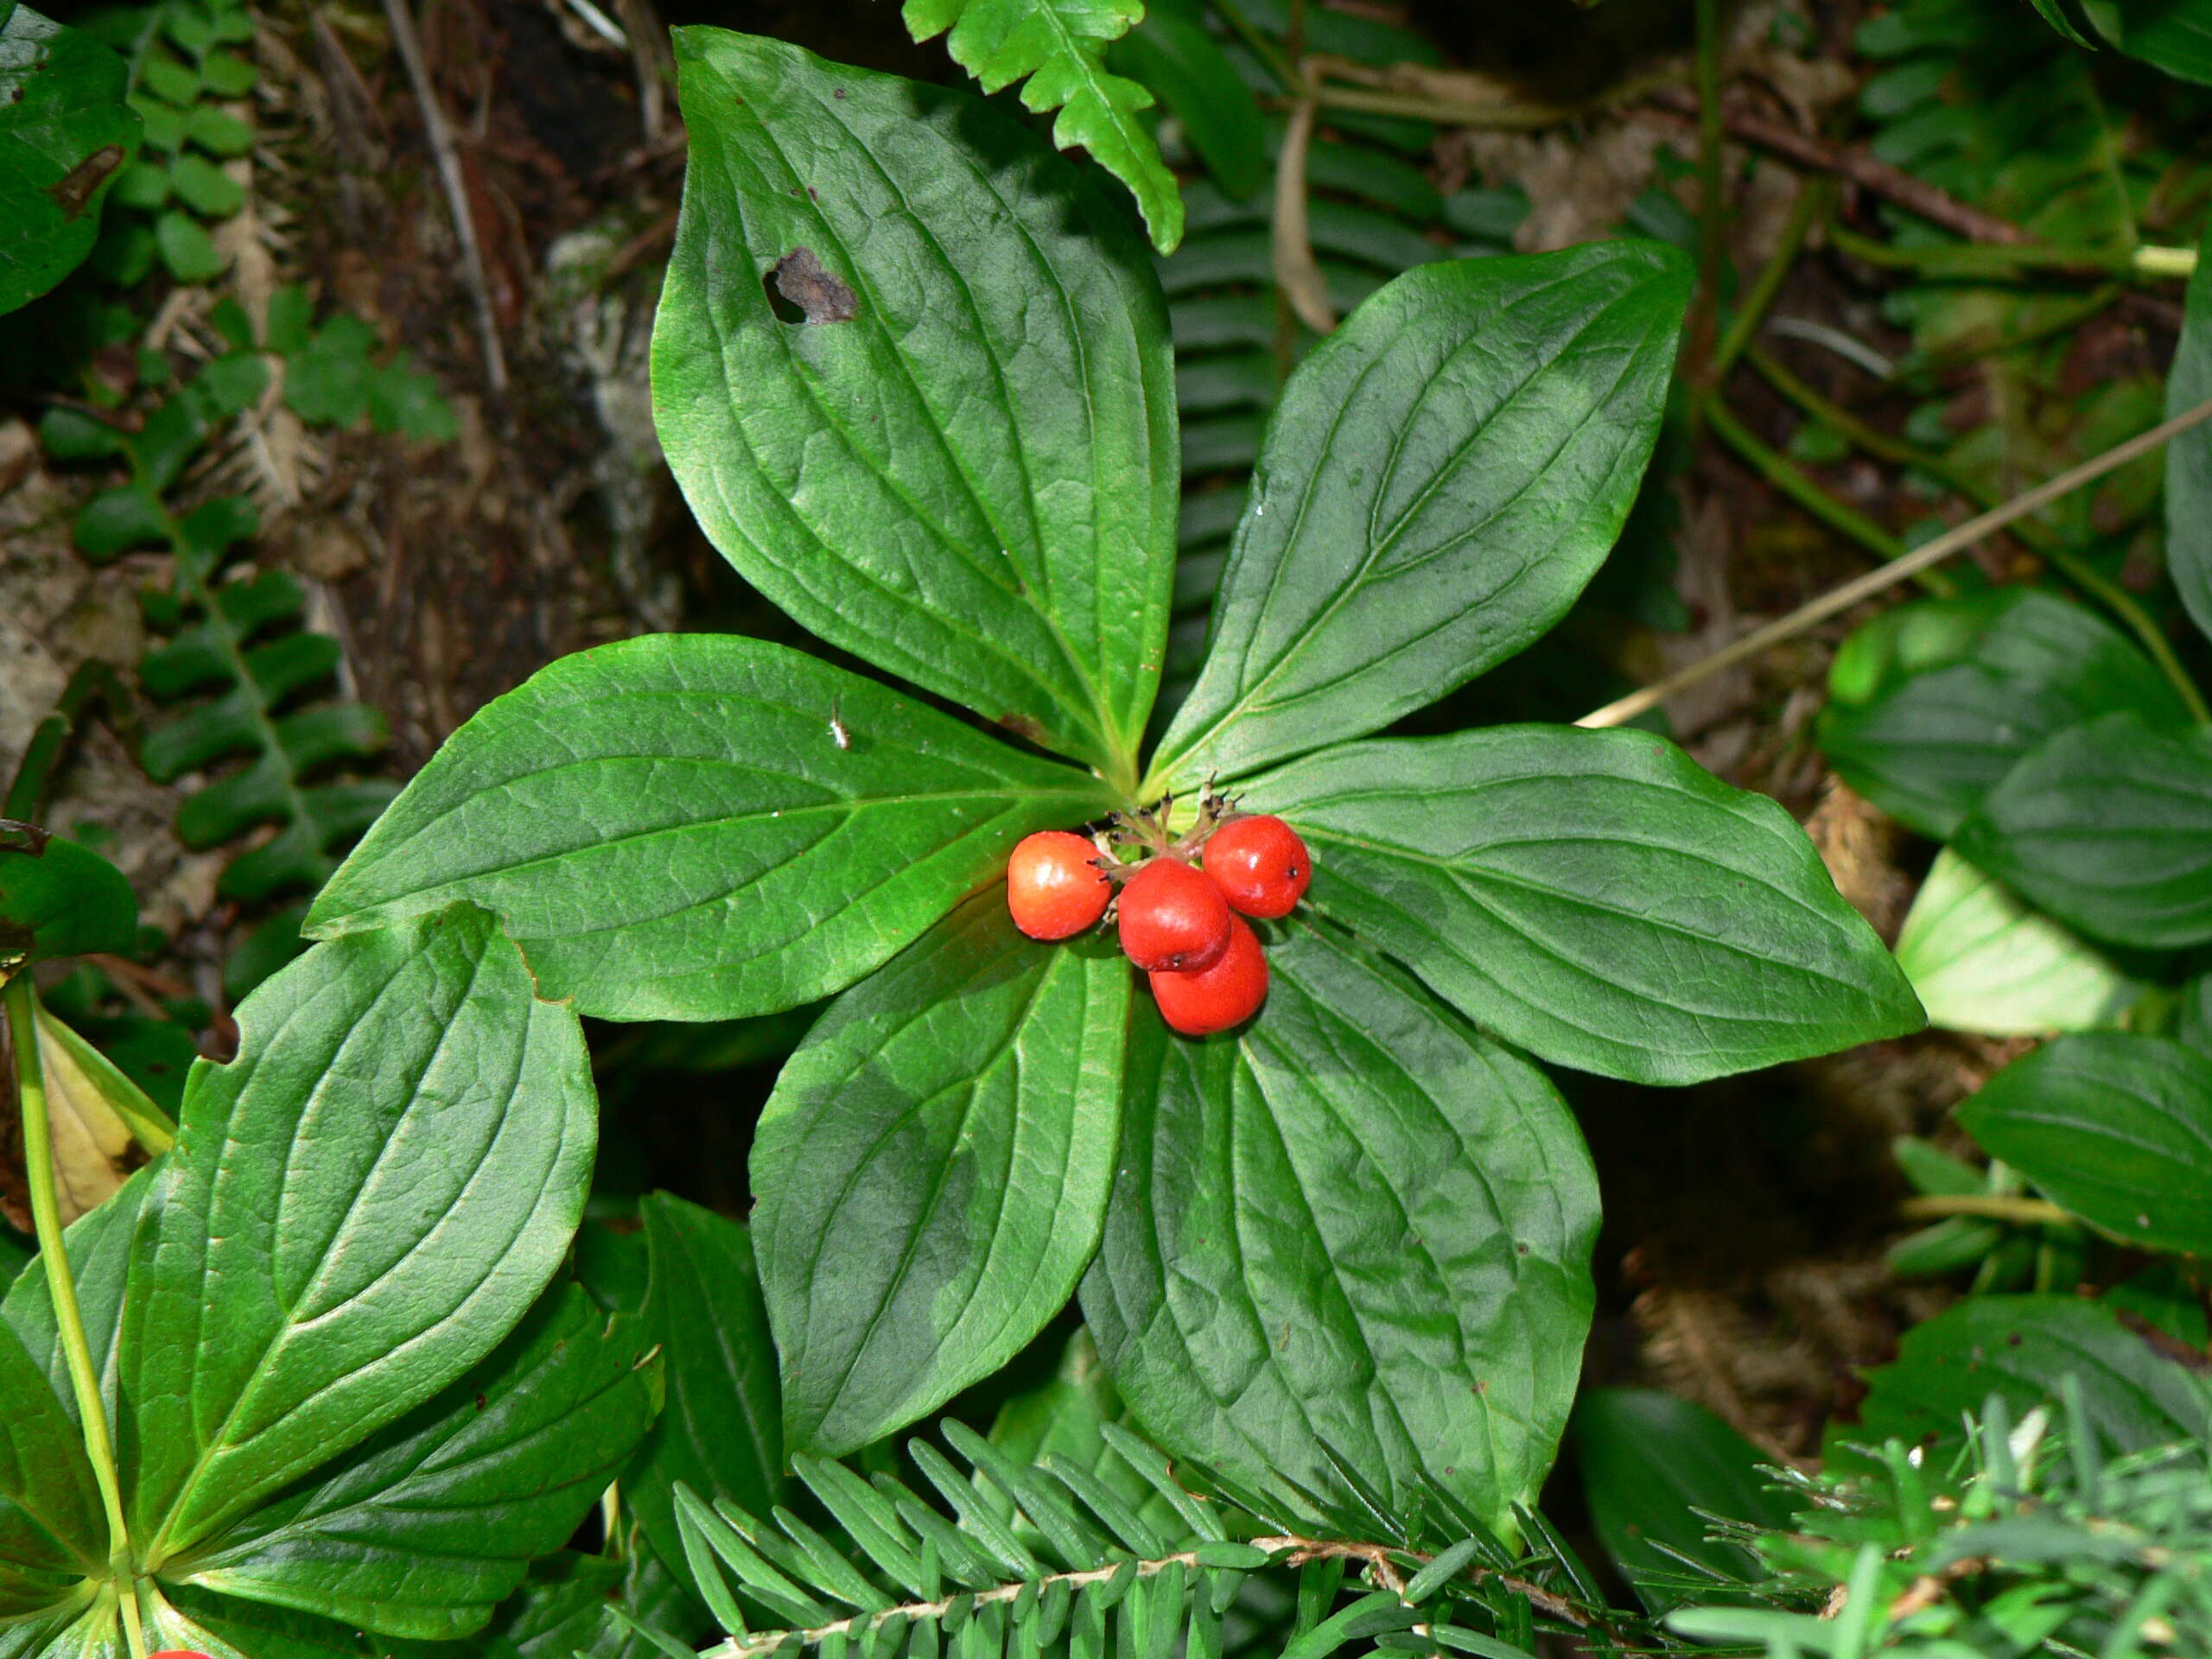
(1747, 319)
(1999, 262)
(1793, 482)
(2045, 541)
(61, 1283)
(2165, 261)
(1920, 558)
(51, 736)
(1989, 1206)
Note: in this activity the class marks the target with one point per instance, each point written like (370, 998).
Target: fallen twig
(1623, 710)
(456, 188)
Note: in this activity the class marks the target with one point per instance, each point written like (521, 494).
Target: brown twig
(440, 134)
(1296, 272)
(1623, 710)
(1936, 205)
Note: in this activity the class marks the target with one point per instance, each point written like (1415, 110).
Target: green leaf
(2116, 1127)
(52, 1531)
(670, 829)
(1983, 962)
(225, 1627)
(63, 900)
(1354, 1237)
(187, 249)
(2019, 1347)
(2173, 35)
(965, 470)
(66, 134)
(1650, 1462)
(1176, 58)
(1932, 703)
(2109, 827)
(2188, 454)
(722, 1430)
(205, 187)
(428, 1526)
(1064, 1421)
(100, 1245)
(932, 1172)
(1594, 896)
(421, 1130)
(1442, 476)
(1058, 44)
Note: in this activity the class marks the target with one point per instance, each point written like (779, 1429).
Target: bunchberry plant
(913, 373)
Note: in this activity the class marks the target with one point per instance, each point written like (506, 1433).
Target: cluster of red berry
(1177, 921)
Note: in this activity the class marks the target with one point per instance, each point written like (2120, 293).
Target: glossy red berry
(1214, 999)
(1260, 865)
(1173, 918)
(177, 1653)
(1054, 888)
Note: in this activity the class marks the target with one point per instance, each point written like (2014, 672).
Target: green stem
(1749, 317)
(1989, 1206)
(2041, 538)
(61, 1283)
(1990, 261)
(51, 736)
(1787, 478)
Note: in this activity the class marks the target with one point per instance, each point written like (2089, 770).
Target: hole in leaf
(800, 290)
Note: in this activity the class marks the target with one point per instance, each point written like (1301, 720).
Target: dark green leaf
(225, 1627)
(2116, 1127)
(63, 900)
(1982, 961)
(1441, 478)
(2174, 36)
(1057, 44)
(2188, 454)
(1594, 896)
(99, 1245)
(2019, 1347)
(1650, 1462)
(932, 1172)
(421, 1129)
(2109, 827)
(1934, 703)
(722, 1430)
(1354, 1237)
(52, 1531)
(964, 468)
(425, 1528)
(64, 135)
(671, 830)
(1177, 58)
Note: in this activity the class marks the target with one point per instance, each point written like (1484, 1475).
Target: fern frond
(1017, 1559)
(1058, 47)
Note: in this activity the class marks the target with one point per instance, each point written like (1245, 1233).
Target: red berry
(1214, 999)
(177, 1653)
(1260, 865)
(1173, 920)
(1053, 886)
